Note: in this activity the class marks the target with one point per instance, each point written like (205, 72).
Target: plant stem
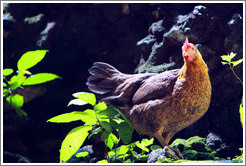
(236, 75)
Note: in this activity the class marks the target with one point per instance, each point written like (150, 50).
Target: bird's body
(158, 105)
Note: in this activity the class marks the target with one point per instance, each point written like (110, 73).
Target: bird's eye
(192, 48)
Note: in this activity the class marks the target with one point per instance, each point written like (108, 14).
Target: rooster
(158, 105)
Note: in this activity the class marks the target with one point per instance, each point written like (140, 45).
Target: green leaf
(111, 153)
(27, 72)
(21, 78)
(111, 141)
(241, 113)
(67, 117)
(144, 143)
(105, 125)
(73, 141)
(82, 154)
(7, 72)
(232, 55)
(113, 123)
(16, 101)
(40, 78)
(76, 102)
(226, 58)
(147, 142)
(109, 112)
(13, 82)
(87, 116)
(122, 114)
(102, 161)
(104, 135)
(141, 146)
(125, 132)
(30, 59)
(5, 92)
(20, 112)
(89, 98)
(225, 63)
(235, 63)
(4, 85)
(16, 81)
(122, 150)
(100, 106)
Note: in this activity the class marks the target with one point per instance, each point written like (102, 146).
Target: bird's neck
(193, 69)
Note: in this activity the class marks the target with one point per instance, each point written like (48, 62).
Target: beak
(185, 54)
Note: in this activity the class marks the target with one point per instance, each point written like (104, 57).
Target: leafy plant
(24, 77)
(227, 60)
(128, 153)
(101, 119)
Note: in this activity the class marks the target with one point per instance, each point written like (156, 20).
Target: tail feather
(101, 81)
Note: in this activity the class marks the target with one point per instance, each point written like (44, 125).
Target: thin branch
(236, 75)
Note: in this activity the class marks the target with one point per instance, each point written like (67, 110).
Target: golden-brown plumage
(158, 105)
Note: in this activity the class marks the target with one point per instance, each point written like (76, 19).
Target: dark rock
(157, 30)
(222, 147)
(213, 141)
(162, 156)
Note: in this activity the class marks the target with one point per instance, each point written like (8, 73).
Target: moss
(196, 149)
(195, 139)
(194, 155)
(180, 144)
(239, 159)
(189, 154)
(164, 159)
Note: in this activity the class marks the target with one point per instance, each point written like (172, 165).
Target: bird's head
(190, 52)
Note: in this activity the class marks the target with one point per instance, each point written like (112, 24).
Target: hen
(157, 105)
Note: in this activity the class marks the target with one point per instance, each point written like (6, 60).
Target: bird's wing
(156, 87)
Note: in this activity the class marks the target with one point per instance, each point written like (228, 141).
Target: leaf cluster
(227, 60)
(128, 153)
(102, 119)
(24, 77)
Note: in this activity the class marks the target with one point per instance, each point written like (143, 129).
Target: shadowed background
(135, 38)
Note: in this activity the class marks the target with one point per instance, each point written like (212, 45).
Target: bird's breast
(190, 99)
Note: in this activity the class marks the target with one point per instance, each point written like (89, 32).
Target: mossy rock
(238, 159)
(194, 143)
(181, 144)
(198, 144)
(194, 155)
(165, 155)
(189, 154)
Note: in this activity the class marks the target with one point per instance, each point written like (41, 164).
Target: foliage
(239, 159)
(241, 113)
(128, 153)
(227, 60)
(102, 119)
(24, 78)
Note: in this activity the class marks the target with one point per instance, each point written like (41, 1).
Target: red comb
(185, 45)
